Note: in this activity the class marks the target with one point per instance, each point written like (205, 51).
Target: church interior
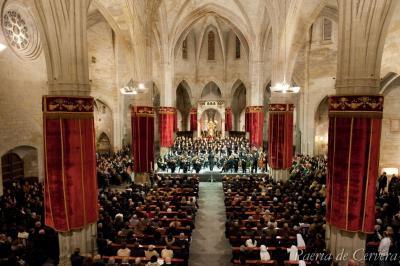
(199, 132)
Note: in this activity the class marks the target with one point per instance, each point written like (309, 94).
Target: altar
(211, 119)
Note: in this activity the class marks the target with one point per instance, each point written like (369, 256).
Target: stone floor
(209, 245)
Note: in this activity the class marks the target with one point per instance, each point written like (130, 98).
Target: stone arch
(183, 103)
(238, 103)
(321, 128)
(390, 81)
(180, 30)
(26, 163)
(211, 89)
(390, 132)
(185, 83)
(103, 145)
(103, 119)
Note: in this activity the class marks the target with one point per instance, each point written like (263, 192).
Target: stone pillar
(353, 158)
(280, 140)
(68, 127)
(228, 119)
(143, 138)
(167, 122)
(355, 125)
(254, 125)
(70, 172)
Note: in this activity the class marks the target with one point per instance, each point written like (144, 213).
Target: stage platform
(211, 176)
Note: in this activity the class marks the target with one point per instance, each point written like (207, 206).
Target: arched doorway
(183, 104)
(238, 104)
(321, 128)
(104, 122)
(103, 144)
(18, 163)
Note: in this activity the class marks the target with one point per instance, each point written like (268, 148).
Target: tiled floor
(209, 245)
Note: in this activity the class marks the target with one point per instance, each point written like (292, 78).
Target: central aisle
(209, 245)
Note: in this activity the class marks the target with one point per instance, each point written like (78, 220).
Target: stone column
(254, 125)
(280, 140)
(354, 139)
(69, 140)
(167, 122)
(355, 126)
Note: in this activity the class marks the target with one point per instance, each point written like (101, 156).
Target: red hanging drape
(255, 120)
(175, 123)
(193, 119)
(228, 119)
(167, 119)
(280, 135)
(143, 138)
(353, 158)
(70, 184)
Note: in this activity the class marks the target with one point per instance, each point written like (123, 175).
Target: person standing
(382, 183)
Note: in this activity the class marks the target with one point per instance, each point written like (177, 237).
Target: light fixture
(133, 88)
(2, 47)
(284, 87)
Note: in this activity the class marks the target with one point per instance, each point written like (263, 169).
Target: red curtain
(228, 119)
(353, 158)
(70, 162)
(255, 121)
(167, 118)
(280, 135)
(193, 119)
(143, 138)
(175, 123)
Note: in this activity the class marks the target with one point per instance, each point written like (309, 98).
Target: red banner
(254, 124)
(280, 135)
(167, 119)
(353, 158)
(143, 138)
(175, 123)
(70, 162)
(228, 119)
(193, 119)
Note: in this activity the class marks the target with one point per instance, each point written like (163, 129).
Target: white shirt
(384, 246)
(250, 243)
(293, 253)
(264, 254)
(124, 252)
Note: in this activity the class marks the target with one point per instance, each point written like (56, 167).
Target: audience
(272, 215)
(115, 169)
(23, 236)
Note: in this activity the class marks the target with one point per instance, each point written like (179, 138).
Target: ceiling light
(2, 47)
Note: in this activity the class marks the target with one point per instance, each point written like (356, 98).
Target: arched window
(237, 51)
(327, 29)
(184, 49)
(211, 46)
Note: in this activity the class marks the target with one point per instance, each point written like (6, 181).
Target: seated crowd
(275, 223)
(115, 168)
(143, 224)
(24, 239)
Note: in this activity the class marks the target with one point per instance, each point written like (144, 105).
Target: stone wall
(23, 82)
